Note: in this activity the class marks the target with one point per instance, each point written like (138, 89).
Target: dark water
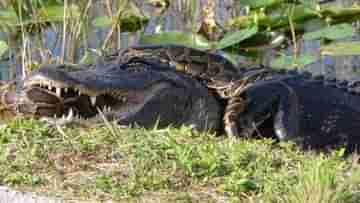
(47, 46)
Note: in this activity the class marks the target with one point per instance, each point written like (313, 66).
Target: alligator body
(174, 85)
(314, 113)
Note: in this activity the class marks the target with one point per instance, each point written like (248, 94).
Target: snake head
(7, 98)
(31, 101)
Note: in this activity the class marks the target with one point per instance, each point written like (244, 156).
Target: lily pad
(8, 16)
(52, 13)
(341, 49)
(56, 13)
(102, 21)
(259, 3)
(344, 13)
(276, 19)
(332, 32)
(234, 38)
(286, 62)
(179, 38)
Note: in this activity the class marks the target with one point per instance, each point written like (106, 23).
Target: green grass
(168, 165)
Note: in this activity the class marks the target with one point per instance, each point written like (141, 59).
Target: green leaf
(129, 18)
(309, 3)
(247, 185)
(332, 32)
(44, 14)
(289, 61)
(231, 39)
(339, 12)
(102, 21)
(8, 15)
(3, 48)
(88, 58)
(341, 49)
(259, 3)
(179, 38)
(127, 24)
(277, 19)
(56, 13)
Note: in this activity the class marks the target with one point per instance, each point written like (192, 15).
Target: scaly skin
(200, 64)
(314, 113)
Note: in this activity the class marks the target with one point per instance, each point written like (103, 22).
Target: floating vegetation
(3, 48)
(341, 49)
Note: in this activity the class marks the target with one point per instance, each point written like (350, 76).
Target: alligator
(174, 85)
(128, 93)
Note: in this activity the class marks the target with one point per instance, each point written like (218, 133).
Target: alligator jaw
(86, 104)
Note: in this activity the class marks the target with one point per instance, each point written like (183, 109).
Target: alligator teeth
(58, 91)
(93, 100)
(106, 109)
(77, 116)
(70, 116)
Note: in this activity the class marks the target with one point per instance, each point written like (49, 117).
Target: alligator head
(129, 93)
